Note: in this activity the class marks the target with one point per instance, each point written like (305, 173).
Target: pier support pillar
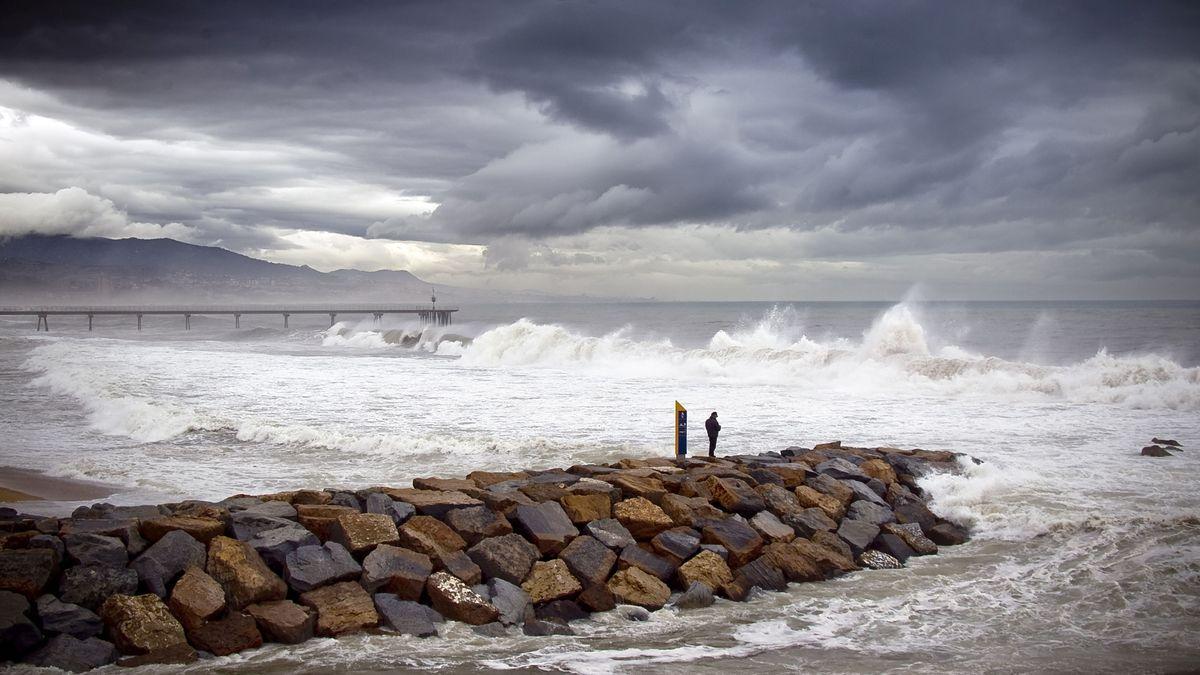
(187, 321)
(285, 319)
(89, 323)
(139, 321)
(332, 319)
(378, 318)
(237, 320)
(42, 322)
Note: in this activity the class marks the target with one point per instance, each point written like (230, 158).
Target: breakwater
(529, 551)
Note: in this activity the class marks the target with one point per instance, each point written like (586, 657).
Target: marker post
(680, 430)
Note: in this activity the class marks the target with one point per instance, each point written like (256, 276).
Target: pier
(438, 316)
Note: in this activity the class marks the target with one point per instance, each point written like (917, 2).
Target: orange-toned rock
(360, 533)
(139, 624)
(201, 529)
(242, 573)
(585, 508)
(428, 535)
(642, 518)
(196, 598)
(877, 468)
(551, 580)
(810, 498)
(707, 568)
(341, 608)
(632, 586)
(320, 518)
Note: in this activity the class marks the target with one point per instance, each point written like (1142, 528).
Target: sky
(675, 150)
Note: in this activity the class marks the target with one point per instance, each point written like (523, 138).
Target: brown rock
(476, 523)
(201, 529)
(505, 503)
(486, 479)
(644, 558)
(463, 485)
(778, 499)
(235, 633)
(833, 542)
(28, 571)
(176, 654)
(771, 528)
(877, 468)
(509, 557)
(545, 492)
(809, 498)
(788, 560)
(546, 525)
(735, 495)
(642, 518)
(634, 587)
(341, 608)
(646, 487)
(832, 487)
(391, 569)
(284, 621)
(433, 502)
(550, 581)
(742, 542)
(242, 573)
(707, 568)
(196, 598)
(310, 498)
(320, 518)
(460, 565)
(360, 533)
(428, 535)
(140, 623)
(597, 598)
(792, 474)
(585, 508)
(455, 600)
(830, 562)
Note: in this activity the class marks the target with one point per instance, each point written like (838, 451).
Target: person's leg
(712, 446)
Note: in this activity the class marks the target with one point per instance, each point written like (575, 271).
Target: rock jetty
(525, 551)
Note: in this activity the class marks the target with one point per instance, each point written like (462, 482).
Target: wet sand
(22, 485)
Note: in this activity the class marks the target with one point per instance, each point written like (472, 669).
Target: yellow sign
(680, 430)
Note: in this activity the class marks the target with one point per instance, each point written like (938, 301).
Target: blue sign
(680, 430)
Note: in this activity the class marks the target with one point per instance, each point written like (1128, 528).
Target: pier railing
(441, 316)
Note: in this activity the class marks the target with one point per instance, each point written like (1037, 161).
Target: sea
(1085, 556)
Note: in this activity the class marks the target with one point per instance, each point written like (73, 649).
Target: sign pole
(680, 430)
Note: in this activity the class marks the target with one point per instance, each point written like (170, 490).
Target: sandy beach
(23, 485)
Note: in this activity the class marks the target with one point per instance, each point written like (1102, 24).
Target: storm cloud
(678, 149)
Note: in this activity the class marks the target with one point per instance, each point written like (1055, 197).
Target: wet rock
(913, 536)
(341, 608)
(455, 600)
(378, 502)
(916, 512)
(539, 627)
(735, 496)
(197, 598)
(742, 542)
(1155, 451)
(585, 508)
(841, 470)
(230, 635)
(870, 513)
(878, 560)
(242, 573)
(638, 557)
(894, 546)
(832, 541)
(610, 532)
(770, 527)
(345, 499)
(18, 634)
(271, 509)
(706, 568)
(510, 600)
(273, 546)
(176, 654)
(28, 571)
(164, 561)
(72, 654)
(434, 503)
(809, 498)
(50, 542)
(464, 485)
(696, 596)
(509, 557)
(397, 571)
(359, 533)
(201, 529)
(632, 586)
(551, 580)
(759, 574)
(597, 598)
(428, 535)
(690, 511)
(831, 487)
(477, 523)
(547, 526)
(857, 534)
(677, 543)
(405, 616)
(778, 500)
(808, 522)
(564, 611)
(91, 585)
(246, 524)
(460, 565)
(320, 518)
(486, 479)
(646, 487)
(310, 498)
(791, 563)
(1159, 441)
(283, 621)
(96, 549)
(310, 567)
(589, 560)
(545, 492)
(642, 518)
(140, 623)
(58, 617)
(505, 502)
(864, 493)
(830, 561)
(947, 534)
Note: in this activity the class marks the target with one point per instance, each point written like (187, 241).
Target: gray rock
(50, 542)
(235, 504)
(72, 654)
(546, 525)
(947, 534)
(759, 574)
(857, 534)
(57, 616)
(509, 557)
(96, 549)
(165, 561)
(564, 611)
(841, 469)
(808, 522)
(274, 545)
(636, 556)
(346, 499)
(916, 512)
(680, 543)
(494, 629)
(407, 617)
(272, 509)
(611, 533)
(401, 571)
(310, 567)
(1155, 451)
(913, 536)
(538, 627)
(718, 549)
(589, 560)
(864, 493)
(637, 613)
(142, 512)
(894, 546)
(378, 502)
(510, 599)
(878, 487)
(870, 513)
(91, 585)
(878, 560)
(18, 634)
(696, 596)
(247, 525)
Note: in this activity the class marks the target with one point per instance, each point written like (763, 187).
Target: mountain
(60, 268)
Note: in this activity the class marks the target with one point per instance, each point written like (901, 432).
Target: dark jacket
(712, 426)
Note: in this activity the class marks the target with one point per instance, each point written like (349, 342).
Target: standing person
(713, 428)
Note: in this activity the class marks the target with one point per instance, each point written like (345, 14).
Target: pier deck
(439, 316)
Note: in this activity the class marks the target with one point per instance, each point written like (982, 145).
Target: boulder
(611, 533)
(310, 567)
(810, 521)
(716, 548)
(632, 586)
(545, 492)
(341, 608)
(18, 634)
(434, 503)
(197, 598)
(476, 523)
(742, 542)
(894, 546)
(201, 529)
(551, 580)
(347, 499)
(696, 596)
(96, 549)
(706, 568)
(230, 635)
(770, 527)
(486, 479)
(510, 600)
(735, 496)
(247, 524)
(830, 487)
(688, 511)
(397, 571)
(428, 535)
(561, 611)
(878, 560)
(864, 493)
(58, 617)
(271, 509)
(584, 508)
(50, 542)
(273, 546)
(646, 487)
(28, 571)
(140, 623)
(405, 616)
(642, 518)
(164, 561)
(320, 518)
(947, 534)
(460, 565)
(464, 485)
(506, 501)
(677, 544)
(125, 529)
(778, 499)
(283, 621)
(913, 536)
(359, 533)
(916, 512)
(879, 469)
(830, 561)
(635, 555)
(378, 502)
(809, 498)
(841, 469)
(310, 498)
(455, 600)
(509, 557)
(539, 627)
(597, 598)
(91, 585)
(791, 563)
(589, 560)
(242, 573)
(176, 654)
(832, 541)
(72, 654)
(1155, 451)
(1169, 442)
(759, 574)
(857, 534)
(546, 525)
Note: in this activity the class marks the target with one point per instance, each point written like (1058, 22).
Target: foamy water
(1086, 556)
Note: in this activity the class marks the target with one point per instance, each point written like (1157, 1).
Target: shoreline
(28, 485)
